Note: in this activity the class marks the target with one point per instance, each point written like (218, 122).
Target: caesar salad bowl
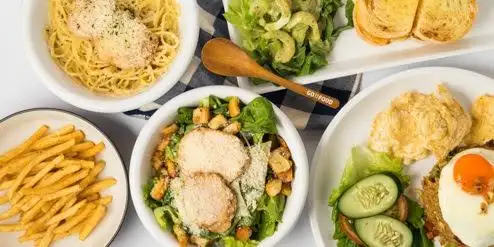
(164, 210)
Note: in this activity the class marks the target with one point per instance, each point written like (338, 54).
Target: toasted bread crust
(387, 19)
(365, 35)
(437, 23)
(440, 21)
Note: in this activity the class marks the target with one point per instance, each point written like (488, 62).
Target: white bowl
(140, 166)
(35, 18)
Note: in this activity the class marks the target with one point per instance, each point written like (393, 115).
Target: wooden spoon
(223, 57)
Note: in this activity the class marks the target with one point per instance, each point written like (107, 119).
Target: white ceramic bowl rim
(33, 12)
(295, 202)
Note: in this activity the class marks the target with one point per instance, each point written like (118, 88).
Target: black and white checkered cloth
(304, 113)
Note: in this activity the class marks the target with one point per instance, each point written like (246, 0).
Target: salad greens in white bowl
(219, 166)
(288, 37)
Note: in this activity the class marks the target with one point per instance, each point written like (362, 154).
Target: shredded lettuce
(232, 242)
(362, 163)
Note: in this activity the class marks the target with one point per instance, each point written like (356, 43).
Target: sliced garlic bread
(444, 20)
(365, 35)
(387, 19)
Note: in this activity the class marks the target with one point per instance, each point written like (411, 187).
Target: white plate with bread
(406, 36)
(70, 179)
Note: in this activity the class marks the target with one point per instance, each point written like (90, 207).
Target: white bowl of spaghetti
(74, 68)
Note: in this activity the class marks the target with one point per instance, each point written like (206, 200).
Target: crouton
(286, 176)
(234, 106)
(273, 187)
(219, 121)
(170, 130)
(243, 233)
(159, 188)
(182, 237)
(232, 128)
(201, 115)
(279, 160)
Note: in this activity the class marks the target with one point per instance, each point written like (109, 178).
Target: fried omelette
(418, 124)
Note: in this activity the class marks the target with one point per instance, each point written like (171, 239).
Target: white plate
(351, 127)
(18, 126)
(352, 55)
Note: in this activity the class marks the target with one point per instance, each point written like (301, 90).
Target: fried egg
(464, 186)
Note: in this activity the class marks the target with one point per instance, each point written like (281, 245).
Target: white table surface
(21, 89)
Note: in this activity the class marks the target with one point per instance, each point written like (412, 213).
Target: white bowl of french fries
(62, 182)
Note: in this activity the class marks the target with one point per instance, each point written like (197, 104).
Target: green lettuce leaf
(364, 162)
(184, 115)
(232, 242)
(166, 217)
(258, 118)
(271, 213)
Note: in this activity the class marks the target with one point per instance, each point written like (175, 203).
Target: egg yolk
(473, 173)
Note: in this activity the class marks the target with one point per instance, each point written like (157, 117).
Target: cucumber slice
(370, 196)
(379, 231)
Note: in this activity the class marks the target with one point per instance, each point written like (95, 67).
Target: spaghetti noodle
(79, 59)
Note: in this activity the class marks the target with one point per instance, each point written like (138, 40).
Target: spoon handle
(299, 89)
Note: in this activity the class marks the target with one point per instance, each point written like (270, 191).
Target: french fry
(53, 151)
(58, 175)
(69, 204)
(43, 172)
(92, 221)
(71, 154)
(47, 238)
(13, 211)
(92, 197)
(67, 191)
(82, 146)
(4, 199)
(59, 236)
(47, 206)
(8, 183)
(25, 237)
(50, 142)
(38, 224)
(30, 203)
(29, 215)
(83, 163)
(92, 151)
(67, 129)
(11, 227)
(98, 186)
(17, 165)
(78, 218)
(92, 174)
(11, 154)
(66, 181)
(104, 200)
(66, 214)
